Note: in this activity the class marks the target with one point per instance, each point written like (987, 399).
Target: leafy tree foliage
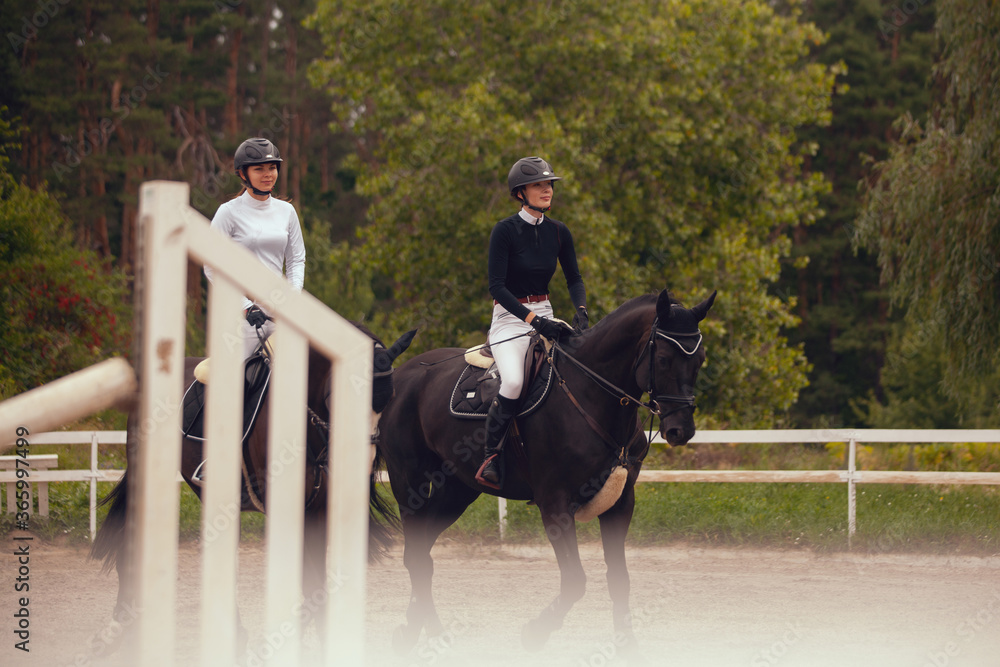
(932, 209)
(673, 124)
(844, 314)
(914, 394)
(61, 309)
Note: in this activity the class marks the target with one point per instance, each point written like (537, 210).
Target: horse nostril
(674, 435)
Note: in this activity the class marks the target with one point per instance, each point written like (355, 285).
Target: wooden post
(220, 526)
(286, 466)
(67, 399)
(154, 494)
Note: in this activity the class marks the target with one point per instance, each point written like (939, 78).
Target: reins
(478, 347)
(322, 428)
(596, 427)
(624, 398)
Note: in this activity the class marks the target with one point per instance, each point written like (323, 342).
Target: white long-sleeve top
(270, 230)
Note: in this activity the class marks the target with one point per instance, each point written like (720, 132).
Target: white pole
(347, 502)
(285, 496)
(502, 511)
(851, 491)
(154, 495)
(67, 399)
(93, 486)
(220, 525)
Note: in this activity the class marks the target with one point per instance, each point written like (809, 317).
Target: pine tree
(844, 313)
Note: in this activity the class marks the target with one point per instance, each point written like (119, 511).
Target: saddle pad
(257, 378)
(476, 389)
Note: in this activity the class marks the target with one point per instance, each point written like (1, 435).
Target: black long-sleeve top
(523, 258)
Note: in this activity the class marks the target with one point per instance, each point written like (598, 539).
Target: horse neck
(612, 347)
(319, 372)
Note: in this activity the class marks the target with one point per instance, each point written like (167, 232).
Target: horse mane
(366, 331)
(641, 302)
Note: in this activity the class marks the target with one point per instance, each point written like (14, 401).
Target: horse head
(382, 389)
(383, 358)
(667, 368)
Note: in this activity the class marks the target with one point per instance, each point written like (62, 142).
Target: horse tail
(383, 524)
(111, 537)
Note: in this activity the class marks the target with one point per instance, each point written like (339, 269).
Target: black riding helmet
(526, 171)
(256, 150)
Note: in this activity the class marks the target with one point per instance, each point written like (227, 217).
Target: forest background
(831, 168)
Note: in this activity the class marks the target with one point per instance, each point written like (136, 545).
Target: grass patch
(890, 518)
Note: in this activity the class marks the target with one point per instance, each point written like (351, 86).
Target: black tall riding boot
(498, 420)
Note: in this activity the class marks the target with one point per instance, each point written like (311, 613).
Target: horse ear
(400, 345)
(701, 310)
(663, 307)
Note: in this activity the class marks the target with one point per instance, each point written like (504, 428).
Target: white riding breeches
(510, 355)
(249, 336)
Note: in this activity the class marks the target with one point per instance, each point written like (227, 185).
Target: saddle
(479, 382)
(256, 377)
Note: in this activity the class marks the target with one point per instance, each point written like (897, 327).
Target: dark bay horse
(587, 431)
(111, 543)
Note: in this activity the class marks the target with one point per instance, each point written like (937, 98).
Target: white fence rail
(92, 475)
(851, 476)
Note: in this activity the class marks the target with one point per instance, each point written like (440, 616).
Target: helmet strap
(522, 194)
(245, 177)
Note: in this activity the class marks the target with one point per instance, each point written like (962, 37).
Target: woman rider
(522, 260)
(265, 225)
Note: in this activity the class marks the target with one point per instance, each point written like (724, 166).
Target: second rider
(523, 252)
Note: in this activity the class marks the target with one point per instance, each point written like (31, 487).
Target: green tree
(931, 210)
(844, 313)
(914, 395)
(674, 126)
(61, 309)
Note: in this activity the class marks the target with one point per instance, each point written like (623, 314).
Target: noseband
(381, 374)
(688, 343)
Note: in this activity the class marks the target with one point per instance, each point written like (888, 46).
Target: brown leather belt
(532, 298)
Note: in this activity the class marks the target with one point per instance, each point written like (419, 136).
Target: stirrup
(495, 459)
(196, 476)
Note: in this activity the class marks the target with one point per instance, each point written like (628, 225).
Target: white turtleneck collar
(530, 219)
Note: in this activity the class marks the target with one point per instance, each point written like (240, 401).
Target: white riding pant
(248, 335)
(510, 355)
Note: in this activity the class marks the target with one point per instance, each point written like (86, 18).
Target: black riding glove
(256, 316)
(551, 329)
(581, 321)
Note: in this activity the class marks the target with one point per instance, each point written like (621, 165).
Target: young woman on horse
(267, 226)
(523, 252)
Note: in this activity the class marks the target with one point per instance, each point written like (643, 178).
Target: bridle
(320, 461)
(689, 343)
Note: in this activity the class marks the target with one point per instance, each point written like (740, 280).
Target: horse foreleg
(560, 528)
(425, 516)
(614, 527)
(314, 584)
(118, 632)
(420, 612)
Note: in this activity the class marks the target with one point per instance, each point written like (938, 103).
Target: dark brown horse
(578, 445)
(111, 543)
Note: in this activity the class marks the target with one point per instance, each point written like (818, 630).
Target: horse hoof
(109, 639)
(533, 638)
(434, 627)
(629, 650)
(404, 639)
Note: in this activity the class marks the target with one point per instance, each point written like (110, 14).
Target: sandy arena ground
(693, 606)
